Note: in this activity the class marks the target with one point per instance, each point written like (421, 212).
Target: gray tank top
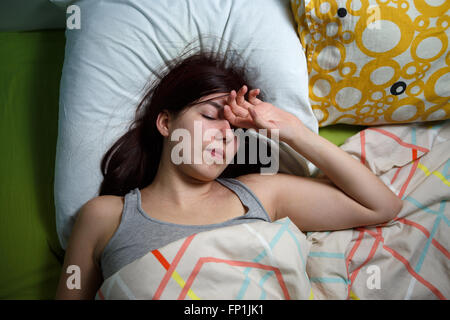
(139, 234)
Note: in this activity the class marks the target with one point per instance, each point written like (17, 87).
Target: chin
(205, 172)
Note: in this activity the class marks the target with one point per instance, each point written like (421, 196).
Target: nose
(226, 131)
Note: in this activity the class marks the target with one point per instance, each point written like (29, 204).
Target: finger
(236, 120)
(231, 98)
(238, 110)
(234, 98)
(229, 115)
(244, 103)
(252, 96)
(253, 93)
(240, 98)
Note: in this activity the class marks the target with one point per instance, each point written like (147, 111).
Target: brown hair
(133, 159)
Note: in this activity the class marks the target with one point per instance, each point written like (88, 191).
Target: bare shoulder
(101, 217)
(102, 206)
(270, 188)
(263, 186)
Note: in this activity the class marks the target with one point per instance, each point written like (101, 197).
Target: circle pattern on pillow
(375, 62)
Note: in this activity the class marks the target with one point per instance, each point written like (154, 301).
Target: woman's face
(211, 141)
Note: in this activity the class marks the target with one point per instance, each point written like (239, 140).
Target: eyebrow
(214, 104)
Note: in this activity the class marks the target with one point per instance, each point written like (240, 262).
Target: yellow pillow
(376, 61)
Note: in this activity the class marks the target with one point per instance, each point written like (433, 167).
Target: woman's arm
(353, 196)
(347, 173)
(94, 220)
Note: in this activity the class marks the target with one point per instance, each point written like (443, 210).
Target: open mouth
(215, 152)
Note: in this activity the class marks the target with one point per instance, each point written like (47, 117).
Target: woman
(147, 201)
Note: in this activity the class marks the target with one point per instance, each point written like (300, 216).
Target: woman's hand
(258, 114)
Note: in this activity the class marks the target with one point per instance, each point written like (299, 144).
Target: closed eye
(209, 118)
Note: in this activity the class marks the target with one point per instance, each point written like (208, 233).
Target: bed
(407, 258)
(31, 65)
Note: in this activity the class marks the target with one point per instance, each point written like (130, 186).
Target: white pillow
(110, 59)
